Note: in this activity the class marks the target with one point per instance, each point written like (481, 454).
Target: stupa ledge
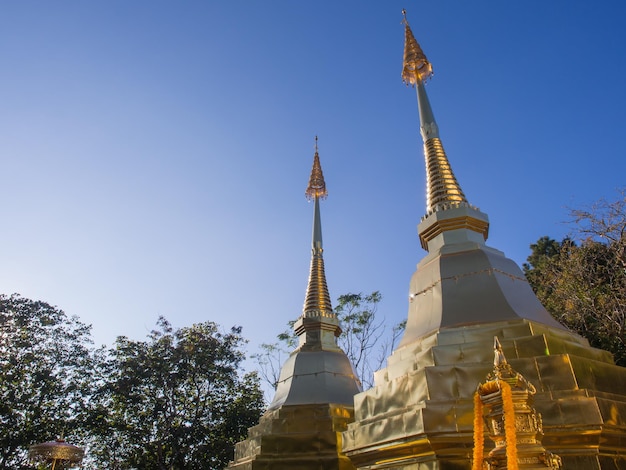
(456, 225)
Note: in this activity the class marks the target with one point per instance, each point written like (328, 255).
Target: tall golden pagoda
(419, 414)
(314, 398)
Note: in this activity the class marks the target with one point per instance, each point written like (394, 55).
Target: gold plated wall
(419, 414)
(302, 437)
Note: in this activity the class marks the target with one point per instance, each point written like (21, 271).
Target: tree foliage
(176, 401)
(366, 339)
(270, 359)
(45, 382)
(582, 283)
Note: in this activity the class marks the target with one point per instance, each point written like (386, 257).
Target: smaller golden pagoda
(313, 403)
(504, 403)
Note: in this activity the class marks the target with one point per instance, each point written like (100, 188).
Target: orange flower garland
(479, 433)
(509, 426)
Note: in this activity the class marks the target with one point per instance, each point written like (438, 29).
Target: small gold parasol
(56, 453)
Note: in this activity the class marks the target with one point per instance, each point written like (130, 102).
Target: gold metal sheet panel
(419, 387)
(361, 409)
(381, 376)
(559, 345)
(564, 372)
(455, 353)
(580, 412)
(383, 432)
(296, 437)
(527, 366)
(391, 396)
(413, 422)
(410, 364)
(395, 395)
(614, 414)
(594, 462)
(440, 417)
(554, 373)
(599, 375)
(609, 462)
(505, 331)
(527, 346)
(546, 344)
(585, 462)
(442, 383)
(302, 443)
(453, 382)
(415, 348)
(473, 333)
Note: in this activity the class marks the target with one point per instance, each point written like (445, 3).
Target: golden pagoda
(313, 402)
(419, 413)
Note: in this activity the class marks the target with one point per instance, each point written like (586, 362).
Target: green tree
(45, 383)
(175, 401)
(583, 284)
(366, 339)
(542, 268)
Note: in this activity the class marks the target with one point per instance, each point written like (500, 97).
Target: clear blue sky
(154, 154)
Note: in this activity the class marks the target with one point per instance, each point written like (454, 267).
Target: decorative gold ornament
(416, 67)
(512, 423)
(317, 186)
(479, 434)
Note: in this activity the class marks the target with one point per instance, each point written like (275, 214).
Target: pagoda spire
(443, 191)
(314, 393)
(317, 300)
(442, 186)
(317, 371)
(454, 234)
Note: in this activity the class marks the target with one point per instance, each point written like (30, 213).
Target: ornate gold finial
(499, 360)
(317, 186)
(416, 68)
